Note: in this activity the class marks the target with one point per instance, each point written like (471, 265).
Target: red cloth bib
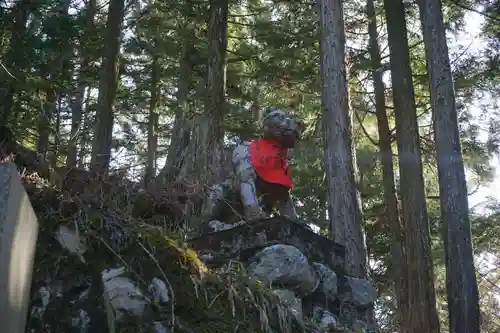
(269, 161)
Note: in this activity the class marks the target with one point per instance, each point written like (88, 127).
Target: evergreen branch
(482, 13)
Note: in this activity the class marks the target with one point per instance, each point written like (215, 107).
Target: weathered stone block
(362, 292)
(244, 240)
(293, 302)
(284, 265)
(328, 281)
(18, 236)
(126, 303)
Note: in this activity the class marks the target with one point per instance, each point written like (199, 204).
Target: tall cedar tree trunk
(344, 207)
(180, 132)
(420, 276)
(153, 122)
(76, 107)
(207, 136)
(86, 124)
(14, 62)
(463, 300)
(46, 114)
(54, 78)
(57, 134)
(390, 196)
(108, 84)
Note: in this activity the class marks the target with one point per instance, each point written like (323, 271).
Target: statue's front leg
(217, 193)
(251, 206)
(245, 177)
(287, 208)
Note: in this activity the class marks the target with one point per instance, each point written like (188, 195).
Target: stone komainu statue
(261, 175)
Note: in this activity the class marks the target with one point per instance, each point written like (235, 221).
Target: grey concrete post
(18, 235)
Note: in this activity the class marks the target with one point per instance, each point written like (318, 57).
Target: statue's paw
(254, 213)
(242, 222)
(290, 217)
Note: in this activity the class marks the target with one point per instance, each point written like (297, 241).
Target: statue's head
(282, 127)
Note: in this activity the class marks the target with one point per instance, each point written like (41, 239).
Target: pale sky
(470, 39)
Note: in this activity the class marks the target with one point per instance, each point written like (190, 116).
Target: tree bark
(15, 60)
(47, 112)
(76, 107)
(390, 195)
(152, 122)
(101, 149)
(463, 299)
(420, 276)
(206, 144)
(54, 157)
(344, 206)
(54, 70)
(86, 125)
(180, 132)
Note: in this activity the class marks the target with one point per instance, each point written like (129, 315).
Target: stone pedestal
(18, 235)
(244, 240)
(304, 269)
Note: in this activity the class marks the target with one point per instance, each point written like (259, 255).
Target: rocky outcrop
(304, 269)
(100, 270)
(77, 298)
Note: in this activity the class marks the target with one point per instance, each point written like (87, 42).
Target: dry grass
(205, 301)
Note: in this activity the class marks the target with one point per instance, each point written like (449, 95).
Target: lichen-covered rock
(291, 300)
(42, 299)
(207, 256)
(324, 319)
(358, 327)
(328, 281)
(361, 292)
(160, 328)
(284, 265)
(126, 302)
(159, 291)
(215, 226)
(81, 321)
(70, 240)
(122, 295)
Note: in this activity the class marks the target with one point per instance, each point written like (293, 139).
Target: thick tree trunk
(101, 148)
(390, 196)
(54, 78)
(46, 114)
(54, 156)
(76, 108)
(180, 132)
(344, 207)
(421, 294)
(76, 118)
(85, 142)
(205, 151)
(152, 122)
(14, 61)
(463, 302)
